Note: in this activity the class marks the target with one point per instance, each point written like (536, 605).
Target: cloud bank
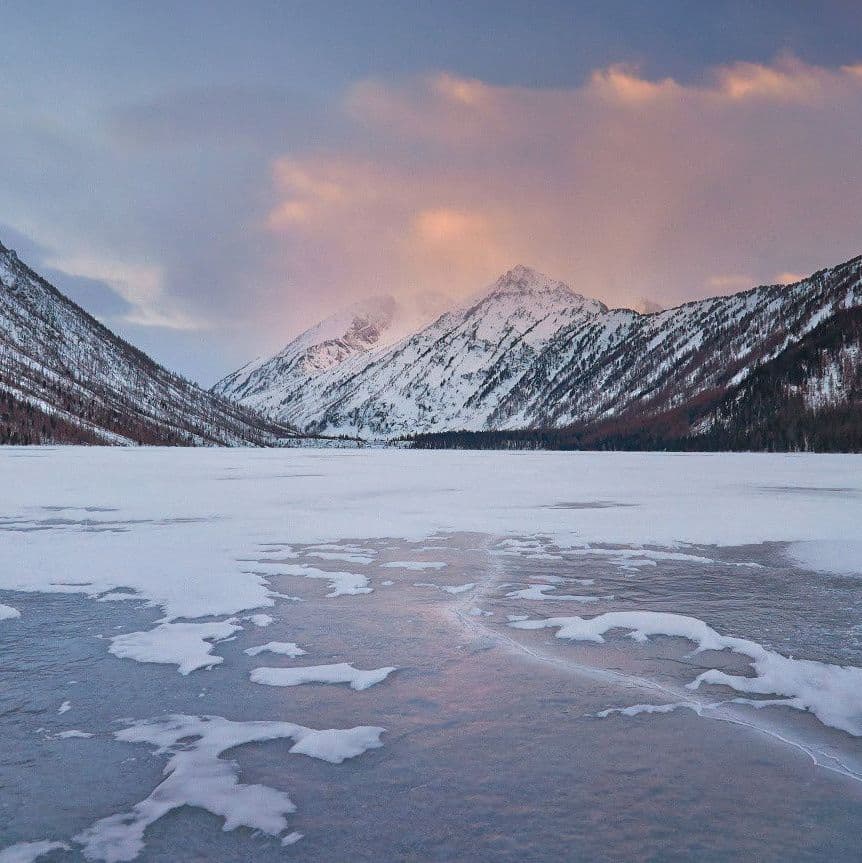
(213, 223)
(625, 186)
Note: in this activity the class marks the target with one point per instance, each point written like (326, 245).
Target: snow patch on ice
(8, 613)
(28, 852)
(186, 645)
(833, 693)
(65, 707)
(284, 648)
(342, 583)
(342, 556)
(843, 557)
(291, 838)
(339, 672)
(637, 709)
(196, 775)
(260, 619)
(540, 591)
(72, 732)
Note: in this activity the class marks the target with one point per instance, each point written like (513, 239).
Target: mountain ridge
(66, 377)
(530, 352)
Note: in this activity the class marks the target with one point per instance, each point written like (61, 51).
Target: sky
(211, 178)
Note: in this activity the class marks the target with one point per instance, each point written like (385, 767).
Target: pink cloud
(625, 187)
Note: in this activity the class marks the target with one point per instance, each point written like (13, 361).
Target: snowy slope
(531, 352)
(65, 377)
(267, 383)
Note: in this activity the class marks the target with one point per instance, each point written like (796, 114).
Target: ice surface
(832, 556)
(453, 589)
(148, 535)
(416, 565)
(346, 557)
(27, 852)
(197, 776)
(7, 612)
(201, 539)
(285, 648)
(833, 693)
(186, 645)
(339, 672)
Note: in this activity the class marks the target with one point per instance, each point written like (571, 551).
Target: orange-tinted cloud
(626, 187)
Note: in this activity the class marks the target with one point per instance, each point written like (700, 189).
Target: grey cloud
(257, 118)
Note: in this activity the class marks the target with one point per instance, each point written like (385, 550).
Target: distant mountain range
(65, 378)
(530, 353)
(527, 362)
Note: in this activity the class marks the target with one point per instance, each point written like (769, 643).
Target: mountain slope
(807, 398)
(532, 353)
(623, 362)
(64, 377)
(269, 384)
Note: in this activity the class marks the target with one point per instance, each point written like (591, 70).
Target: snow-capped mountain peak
(523, 284)
(361, 327)
(523, 280)
(488, 342)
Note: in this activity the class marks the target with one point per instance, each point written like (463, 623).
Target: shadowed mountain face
(531, 353)
(808, 398)
(65, 378)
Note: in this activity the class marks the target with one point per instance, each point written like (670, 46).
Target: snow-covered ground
(708, 606)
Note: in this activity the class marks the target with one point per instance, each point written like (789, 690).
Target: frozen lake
(324, 655)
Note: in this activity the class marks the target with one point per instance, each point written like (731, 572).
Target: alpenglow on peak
(525, 279)
(522, 282)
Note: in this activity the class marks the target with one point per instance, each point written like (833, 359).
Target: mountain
(532, 353)
(66, 378)
(447, 373)
(271, 384)
(807, 398)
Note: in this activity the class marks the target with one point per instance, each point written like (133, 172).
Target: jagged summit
(525, 284)
(361, 327)
(526, 279)
(523, 280)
